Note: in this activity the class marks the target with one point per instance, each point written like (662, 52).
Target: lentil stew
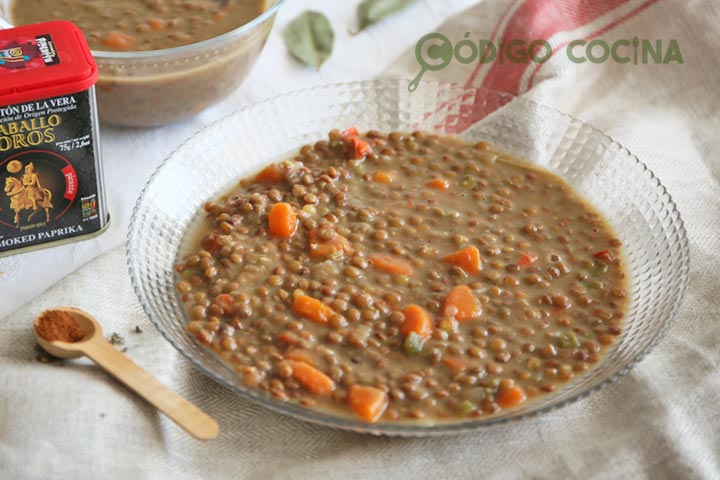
(404, 278)
(139, 25)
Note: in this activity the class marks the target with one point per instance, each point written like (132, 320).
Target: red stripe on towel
(594, 35)
(542, 19)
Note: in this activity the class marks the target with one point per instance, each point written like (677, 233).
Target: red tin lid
(44, 60)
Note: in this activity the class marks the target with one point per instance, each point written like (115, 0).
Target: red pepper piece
(527, 259)
(351, 132)
(210, 243)
(604, 255)
(360, 147)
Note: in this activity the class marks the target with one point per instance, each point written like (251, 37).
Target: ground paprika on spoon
(55, 325)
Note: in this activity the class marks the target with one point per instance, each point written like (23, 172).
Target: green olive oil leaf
(372, 11)
(310, 38)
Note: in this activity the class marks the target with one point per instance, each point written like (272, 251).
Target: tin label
(48, 171)
(29, 52)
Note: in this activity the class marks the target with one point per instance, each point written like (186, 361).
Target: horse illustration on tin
(27, 193)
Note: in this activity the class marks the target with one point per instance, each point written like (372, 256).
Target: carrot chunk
(384, 177)
(317, 247)
(454, 364)
(288, 338)
(417, 320)
(468, 259)
(311, 378)
(510, 397)
(312, 309)
(463, 303)
(282, 220)
(300, 355)
(224, 297)
(270, 174)
(118, 40)
(157, 24)
(368, 403)
(527, 259)
(438, 184)
(390, 264)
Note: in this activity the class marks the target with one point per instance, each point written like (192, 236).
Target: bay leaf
(372, 11)
(310, 38)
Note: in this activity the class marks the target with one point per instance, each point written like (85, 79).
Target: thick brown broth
(404, 277)
(139, 25)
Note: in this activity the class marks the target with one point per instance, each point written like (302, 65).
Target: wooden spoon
(196, 422)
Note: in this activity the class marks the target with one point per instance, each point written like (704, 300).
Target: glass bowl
(143, 89)
(608, 175)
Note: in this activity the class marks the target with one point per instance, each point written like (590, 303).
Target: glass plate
(608, 175)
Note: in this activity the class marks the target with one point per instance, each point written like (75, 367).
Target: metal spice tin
(50, 167)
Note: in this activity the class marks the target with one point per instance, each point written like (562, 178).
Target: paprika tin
(50, 168)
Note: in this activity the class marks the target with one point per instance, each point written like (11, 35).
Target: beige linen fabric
(662, 420)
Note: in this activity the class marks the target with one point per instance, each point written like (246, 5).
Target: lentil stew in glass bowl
(160, 61)
(393, 279)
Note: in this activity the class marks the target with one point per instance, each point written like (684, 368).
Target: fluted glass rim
(404, 429)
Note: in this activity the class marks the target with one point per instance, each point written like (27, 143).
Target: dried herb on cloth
(310, 38)
(372, 11)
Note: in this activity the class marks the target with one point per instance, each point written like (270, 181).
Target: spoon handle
(196, 422)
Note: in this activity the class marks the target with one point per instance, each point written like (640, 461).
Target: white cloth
(659, 421)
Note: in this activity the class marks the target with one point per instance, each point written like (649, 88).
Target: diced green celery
(189, 272)
(476, 394)
(413, 344)
(466, 408)
(568, 340)
(468, 181)
(401, 279)
(260, 260)
(450, 325)
(600, 267)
